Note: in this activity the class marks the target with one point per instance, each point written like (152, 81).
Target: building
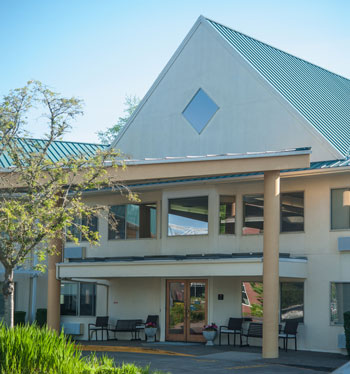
(238, 149)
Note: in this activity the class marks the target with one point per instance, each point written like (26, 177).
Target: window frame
(330, 209)
(155, 203)
(78, 295)
(167, 218)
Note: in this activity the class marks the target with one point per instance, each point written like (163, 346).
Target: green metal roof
(320, 96)
(56, 151)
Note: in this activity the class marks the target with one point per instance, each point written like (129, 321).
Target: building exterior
(238, 150)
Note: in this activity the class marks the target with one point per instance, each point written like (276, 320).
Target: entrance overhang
(247, 267)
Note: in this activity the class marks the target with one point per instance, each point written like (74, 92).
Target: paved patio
(197, 358)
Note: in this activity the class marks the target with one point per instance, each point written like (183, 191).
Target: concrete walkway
(197, 358)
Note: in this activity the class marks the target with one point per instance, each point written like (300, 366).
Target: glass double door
(186, 309)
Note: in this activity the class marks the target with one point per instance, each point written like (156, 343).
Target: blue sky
(101, 50)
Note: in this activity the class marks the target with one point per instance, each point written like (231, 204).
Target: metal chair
(234, 327)
(289, 332)
(101, 324)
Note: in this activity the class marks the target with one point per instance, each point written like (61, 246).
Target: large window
(292, 211)
(132, 221)
(253, 211)
(188, 216)
(291, 300)
(340, 301)
(227, 215)
(340, 215)
(78, 299)
(90, 222)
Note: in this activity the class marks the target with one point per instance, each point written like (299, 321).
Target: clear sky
(101, 50)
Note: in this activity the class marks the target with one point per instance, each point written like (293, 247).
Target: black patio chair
(150, 319)
(289, 332)
(101, 324)
(234, 327)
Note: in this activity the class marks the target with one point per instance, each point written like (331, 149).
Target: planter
(150, 333)
(209, 336)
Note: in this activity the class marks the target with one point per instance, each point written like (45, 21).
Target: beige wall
(318, 243)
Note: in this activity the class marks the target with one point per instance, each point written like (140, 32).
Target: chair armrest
(91, 324)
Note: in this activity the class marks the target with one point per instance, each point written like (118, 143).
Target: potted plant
(150, 331)
(209, 333)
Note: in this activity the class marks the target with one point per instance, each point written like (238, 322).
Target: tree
(131, 103)
(40, 199)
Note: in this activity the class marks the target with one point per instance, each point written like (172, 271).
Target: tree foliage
(106, 137)
(41, 197)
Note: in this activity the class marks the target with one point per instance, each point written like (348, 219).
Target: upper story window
(132, 221)
(90, 222)
(253, 214)
(292, 211)
(340, 215)
(78, 299)
(227, 214)
(188, 216)
(200, 110)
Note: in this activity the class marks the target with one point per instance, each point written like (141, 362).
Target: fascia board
(250, 68)
(162, 74)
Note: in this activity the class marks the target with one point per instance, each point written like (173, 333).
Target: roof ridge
(278, 49)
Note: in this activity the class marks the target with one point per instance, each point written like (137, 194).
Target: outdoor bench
(255, 330)
(126, 325)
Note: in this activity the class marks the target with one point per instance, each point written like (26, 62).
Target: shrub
(347, 330)
(33, 350)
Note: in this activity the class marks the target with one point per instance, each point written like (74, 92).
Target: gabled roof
(56, 151)
(320, 96)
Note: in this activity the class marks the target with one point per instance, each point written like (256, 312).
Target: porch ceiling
(239, 267)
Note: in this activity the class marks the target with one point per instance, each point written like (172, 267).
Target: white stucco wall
(252, 116)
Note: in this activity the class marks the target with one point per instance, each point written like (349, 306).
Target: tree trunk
(8, 293)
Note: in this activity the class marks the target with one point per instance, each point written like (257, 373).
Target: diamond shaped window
(200, 110)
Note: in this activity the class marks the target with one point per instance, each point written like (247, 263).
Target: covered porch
(186, 292)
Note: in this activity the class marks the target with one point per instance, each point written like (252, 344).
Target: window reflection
(188, 216)
(253, 208)
(227, 214)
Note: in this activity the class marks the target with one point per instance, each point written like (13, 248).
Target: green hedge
(347, 330)
(29, 349)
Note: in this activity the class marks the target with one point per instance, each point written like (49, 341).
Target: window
(227, 215)
(253, 210)
(91, 222)
(340, 301)
(200, 110)
(78, 299)
(292, 211)
(188, 216)
(291, 300)
(340, 215)
(132, 221)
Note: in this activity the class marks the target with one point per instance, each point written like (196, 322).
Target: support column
(54, 288)
(271, 261)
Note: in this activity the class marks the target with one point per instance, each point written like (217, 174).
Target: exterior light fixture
(346, 198)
